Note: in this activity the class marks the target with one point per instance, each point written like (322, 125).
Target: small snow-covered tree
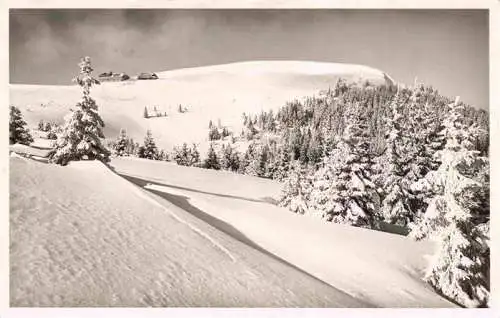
(195, 156)
(41, 125)
(226, 157)
(54, 131)
(183, 155)
(225, 132)
(212, 161)
(456, 216)
(296, 190)
(82, 132)
(148, 150)
(47, 126)
(121, 143)
(213, 134)
(131, 147)
(18, 133)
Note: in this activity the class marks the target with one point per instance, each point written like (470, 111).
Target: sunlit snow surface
(83, 236)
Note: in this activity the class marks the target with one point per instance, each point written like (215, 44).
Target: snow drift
(76, 242)
(378, 268)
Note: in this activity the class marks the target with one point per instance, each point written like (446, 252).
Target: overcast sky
(448, 49)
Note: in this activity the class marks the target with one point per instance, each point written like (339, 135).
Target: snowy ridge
(287, 67)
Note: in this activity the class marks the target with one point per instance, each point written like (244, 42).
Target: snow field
(379, 268)
(76, 242)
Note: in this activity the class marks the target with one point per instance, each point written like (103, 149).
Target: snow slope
(75, 241)
(377, 268)
(211, 92)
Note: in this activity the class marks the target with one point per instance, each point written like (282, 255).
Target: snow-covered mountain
(208, 93)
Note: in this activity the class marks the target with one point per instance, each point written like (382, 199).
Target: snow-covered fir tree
(229, 159)
(213, 133)
(343, 191)
(121, 143)
(183, 155)
(132, 147)
(163, 155)
(54, 131)
(194, 159)
(257, 157)
(394, 183)
(41, 125)
(18, 133)
(82, 132)
(212, 160)
(148, 150)
(316, 151)
(456, 216)
(281, 164)
(296, 190)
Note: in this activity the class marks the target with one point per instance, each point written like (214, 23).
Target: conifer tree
(183, 156)
(213, 134)
(82, 132)
(282, 164)
(47, 126)
(396, 205)
(212, 161)
(315, 151)
(225, 157)
(148, 150)
(456, 216)
(225, 132)
(54, 131)
(41, 125)
(296, 191)
(130, 147)
(195, 156)
(256, 159)
(343, 191)
(18, 133)
(304, 148)
(145, 114)
(296, 142)
(235, 160)
(121, 143)
(250, 131)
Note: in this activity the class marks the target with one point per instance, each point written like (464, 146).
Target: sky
(447, 49)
